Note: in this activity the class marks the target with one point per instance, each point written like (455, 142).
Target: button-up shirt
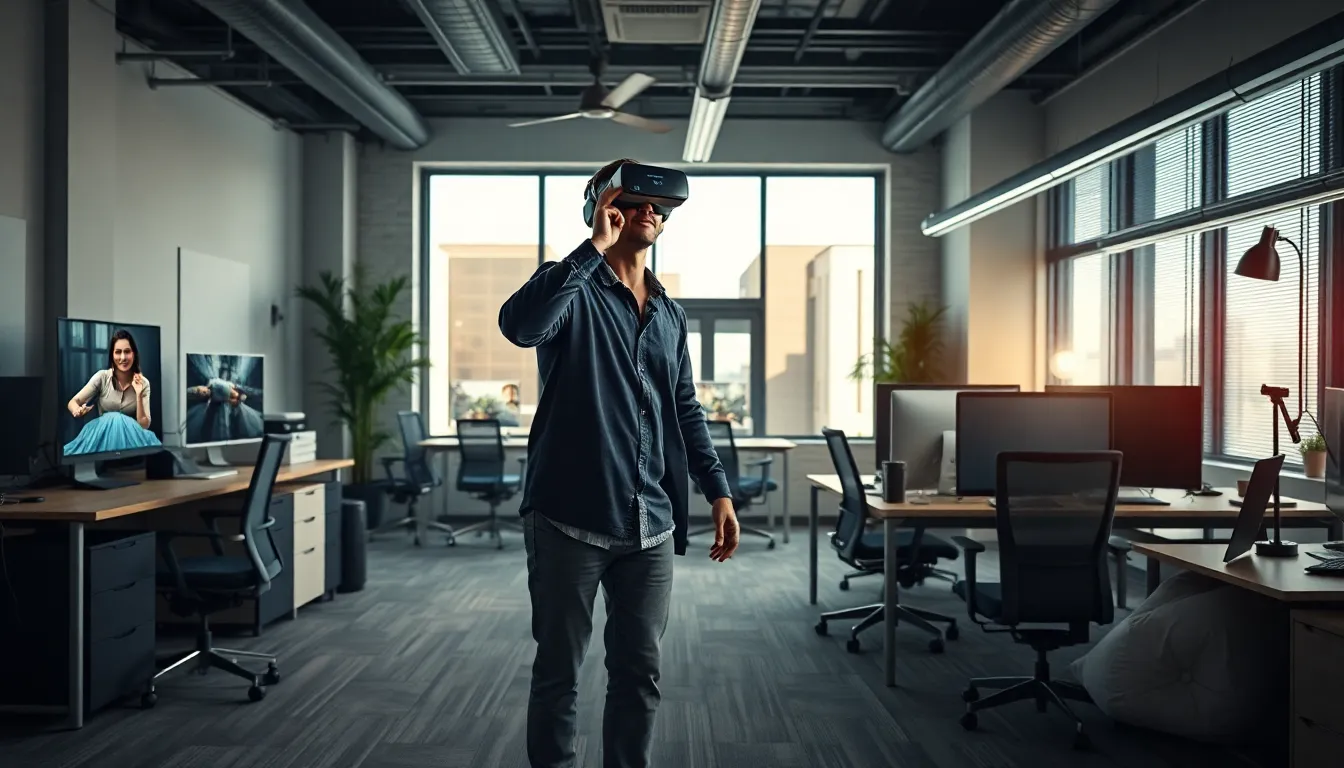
(618, 425)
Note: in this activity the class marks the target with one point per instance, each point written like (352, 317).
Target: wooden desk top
(85, 506)
(1282, 578)
(978, 506)
(766, 444)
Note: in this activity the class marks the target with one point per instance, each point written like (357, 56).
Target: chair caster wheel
(256, 693)
(770, 544)
(148, 700)
(272, 676)
(952, 632)
(852, 645)
(417, 541)
(844, 585)
(452, 541)
(936, 645)
(969, 695)
(969, 721)
(1081, 741)
(820, 628)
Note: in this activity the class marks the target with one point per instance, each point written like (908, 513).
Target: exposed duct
(471, 33)
(295, 37)
(1014, 41)
(729, 30)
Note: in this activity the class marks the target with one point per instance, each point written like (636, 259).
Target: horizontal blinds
(1090, 194)
(1176, 311)
(1089, 321)
(1169, 176)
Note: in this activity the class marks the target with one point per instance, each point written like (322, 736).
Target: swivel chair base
(491, 525)
(1039, 688)
(207, 657)
(745, 530)
(874, 614)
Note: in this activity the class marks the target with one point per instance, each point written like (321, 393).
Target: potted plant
(1313, 455)
(372, 354)
(917, 355)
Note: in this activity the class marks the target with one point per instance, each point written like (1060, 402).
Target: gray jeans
(563, 575)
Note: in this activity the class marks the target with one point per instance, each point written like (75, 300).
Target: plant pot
(1314, 463)
(374, 496)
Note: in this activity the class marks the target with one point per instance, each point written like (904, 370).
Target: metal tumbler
(893, 482)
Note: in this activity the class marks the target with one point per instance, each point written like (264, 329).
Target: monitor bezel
(92, 458)
(182, 409)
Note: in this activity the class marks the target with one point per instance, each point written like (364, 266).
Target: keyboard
(1329, 566)
(1142, 500)
(213, 474)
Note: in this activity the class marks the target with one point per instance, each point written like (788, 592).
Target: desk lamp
(1261, 262)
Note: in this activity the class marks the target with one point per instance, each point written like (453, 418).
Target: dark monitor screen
(106, 412)
(920, 416)
(990, 423)
(1159, 429)
(23, 426)
(882, 410)
(224, 399)
(1332, 429)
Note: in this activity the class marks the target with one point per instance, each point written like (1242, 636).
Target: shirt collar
(608, 277)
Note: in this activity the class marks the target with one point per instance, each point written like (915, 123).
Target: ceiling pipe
(729, 30)
(471, 33)
(1014, 41)
(292, 34)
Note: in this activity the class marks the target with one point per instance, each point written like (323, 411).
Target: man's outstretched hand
(726, 530)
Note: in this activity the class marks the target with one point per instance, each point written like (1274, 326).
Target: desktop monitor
(223, 400)
(1160, 431)
(990, 423)
(23, 427)
(917, 416)
(1332, 429)
(111, 406)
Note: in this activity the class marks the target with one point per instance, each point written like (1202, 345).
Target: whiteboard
(215, 315)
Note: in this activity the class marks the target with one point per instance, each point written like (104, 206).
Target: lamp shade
(1261, 261)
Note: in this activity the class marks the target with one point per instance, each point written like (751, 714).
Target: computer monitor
(223, 402)
(990, 423)
(917, 417)
(1159, 429)
(23, 426)
(108, 377)
(1332, 429)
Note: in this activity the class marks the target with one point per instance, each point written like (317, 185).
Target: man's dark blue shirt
(618, 420)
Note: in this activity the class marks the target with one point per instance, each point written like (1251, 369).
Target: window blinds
(1091, 198)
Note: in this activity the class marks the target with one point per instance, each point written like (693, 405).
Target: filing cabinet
(1317, 721)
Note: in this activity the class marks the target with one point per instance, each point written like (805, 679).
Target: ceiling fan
(598, 103)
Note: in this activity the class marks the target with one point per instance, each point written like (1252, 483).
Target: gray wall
(130, 176)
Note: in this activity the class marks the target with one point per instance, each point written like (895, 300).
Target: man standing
(617, 430)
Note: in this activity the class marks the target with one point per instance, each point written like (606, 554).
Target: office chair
(863, 550)
(200, 586)
(1054, 515)
(417, 478)
(745, 490)
(481, 473)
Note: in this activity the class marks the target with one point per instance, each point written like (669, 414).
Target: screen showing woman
(108, 371)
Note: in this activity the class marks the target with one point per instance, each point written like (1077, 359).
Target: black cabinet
(332, 538)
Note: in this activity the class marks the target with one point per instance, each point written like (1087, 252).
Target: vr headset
(663, 188)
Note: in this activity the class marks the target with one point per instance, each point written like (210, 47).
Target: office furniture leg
(812, 545)
(890, 598)
(1154, 574)
(784, 495)
(75, 653)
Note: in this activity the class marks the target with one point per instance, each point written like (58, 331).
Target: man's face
(642, 225)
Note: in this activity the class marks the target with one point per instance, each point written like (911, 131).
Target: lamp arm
(1301, 333)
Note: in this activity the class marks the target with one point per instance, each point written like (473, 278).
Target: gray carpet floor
(428, 667)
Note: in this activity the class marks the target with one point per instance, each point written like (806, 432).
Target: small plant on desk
(1313, 451)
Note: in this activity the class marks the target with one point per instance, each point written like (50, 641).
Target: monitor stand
(1139, 497)
(214, 467)
(86, 477)
(214, 457)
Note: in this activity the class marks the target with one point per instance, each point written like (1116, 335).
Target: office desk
(1315, 727)
(975, 512)
(770, 445)
(74, 509)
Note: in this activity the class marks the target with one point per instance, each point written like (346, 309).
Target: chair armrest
(768, 460)
(388, 461)
(970, 546)
(1119, 545)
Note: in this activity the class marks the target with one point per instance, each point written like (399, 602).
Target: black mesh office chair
(200, 586)
(745, 490)
(863, 550)
(1054, 518)
(483, 473)
(416, 479)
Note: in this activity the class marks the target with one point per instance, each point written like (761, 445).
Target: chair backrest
(721, 436)
(1054, 514)
(481, 449)
(853, 501)
(419, 470)
(267, 561)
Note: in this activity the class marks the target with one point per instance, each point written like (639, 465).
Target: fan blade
(629, 88)
(555, 119)
(642, 123)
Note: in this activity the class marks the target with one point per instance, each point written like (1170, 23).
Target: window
(710, 243)
(1175, 339)
(564, 228)
(1275, 138)
(1090, 199)
(1087, 358)
(819, 309)
(479, 252)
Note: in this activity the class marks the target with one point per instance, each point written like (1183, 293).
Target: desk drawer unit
(119, 617)
(1317, 678)
(332, 562)
(310, 528)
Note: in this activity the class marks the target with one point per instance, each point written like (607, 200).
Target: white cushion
(1198, 659)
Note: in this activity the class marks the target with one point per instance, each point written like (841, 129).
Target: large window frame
(1132, 312)
(709, 310)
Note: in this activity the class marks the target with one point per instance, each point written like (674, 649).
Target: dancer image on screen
(617, 434)
(222, 409)
(120, 393)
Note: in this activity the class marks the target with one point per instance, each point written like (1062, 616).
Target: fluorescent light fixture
(703, 129)
(1002, 200)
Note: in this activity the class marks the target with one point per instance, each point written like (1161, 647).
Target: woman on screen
(121, 393)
